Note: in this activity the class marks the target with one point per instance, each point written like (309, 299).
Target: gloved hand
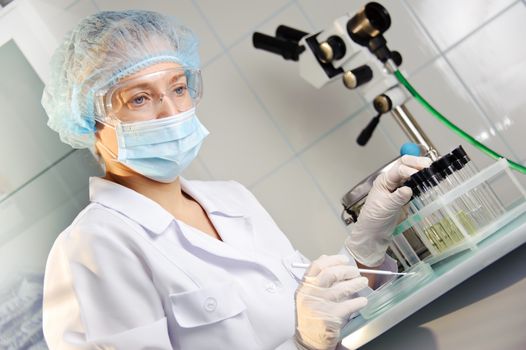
(372, 233)
(324, 302)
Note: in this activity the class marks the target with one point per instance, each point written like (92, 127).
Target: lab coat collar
(215, 205)
(148, 213)
(224, 209)
(134, 205)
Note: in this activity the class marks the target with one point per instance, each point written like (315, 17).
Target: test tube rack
(499, 170)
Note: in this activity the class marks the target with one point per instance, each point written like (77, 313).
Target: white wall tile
(28, 145)
(243, 143)
(438, 84)
(302, 213)
(448, 21)
(62, 3)
(232, 19)
(40, 197)
(34, 216)
(405, 34)
(302, 112)
(74, 171)
(82, 8)
(28, 250)
(61, 16)
(183, 10)
(338, 163)
(4, 186)
(495, 71)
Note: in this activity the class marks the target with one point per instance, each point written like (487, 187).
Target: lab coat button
(271, 288)
(210, 304)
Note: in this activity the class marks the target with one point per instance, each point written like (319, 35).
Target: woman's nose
(166, 107)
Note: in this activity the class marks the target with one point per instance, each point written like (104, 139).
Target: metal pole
(407, 122)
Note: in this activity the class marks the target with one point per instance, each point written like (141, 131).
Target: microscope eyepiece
(371, 21)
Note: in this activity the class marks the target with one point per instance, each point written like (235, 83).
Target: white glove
(378, 217)
(324, 301)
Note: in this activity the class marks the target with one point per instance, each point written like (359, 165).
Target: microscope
(353, 50)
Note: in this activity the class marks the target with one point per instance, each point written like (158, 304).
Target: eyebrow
(177, 77)
(131, 89)
(173, 79)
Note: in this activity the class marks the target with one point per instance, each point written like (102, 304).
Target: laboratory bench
(446, 275)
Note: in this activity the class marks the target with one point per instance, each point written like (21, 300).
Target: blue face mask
(160, 149)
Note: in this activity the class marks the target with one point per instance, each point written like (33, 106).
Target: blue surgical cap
(101, 50)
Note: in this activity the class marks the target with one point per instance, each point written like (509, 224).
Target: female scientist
(159, 262)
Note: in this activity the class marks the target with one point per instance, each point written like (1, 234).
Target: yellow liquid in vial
(443, 235)
(435, 235)
(467, 222)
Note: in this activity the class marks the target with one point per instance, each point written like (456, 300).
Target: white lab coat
(127, 275)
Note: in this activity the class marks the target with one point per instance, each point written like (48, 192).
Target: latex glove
(372, 233)
(324, 301)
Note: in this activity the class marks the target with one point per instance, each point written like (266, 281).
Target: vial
(437, 227)
(466, 168)
(470, 212)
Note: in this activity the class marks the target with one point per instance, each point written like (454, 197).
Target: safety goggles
(165, 92)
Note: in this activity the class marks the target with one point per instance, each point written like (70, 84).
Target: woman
(159, 262)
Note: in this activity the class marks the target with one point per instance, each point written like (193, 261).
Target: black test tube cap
(413, 185)
(429, 176)
(419, 180)
(461, 154)
(442, 166)
(455, 162)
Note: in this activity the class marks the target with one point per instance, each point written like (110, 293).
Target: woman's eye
(180, 90)
(138, 101)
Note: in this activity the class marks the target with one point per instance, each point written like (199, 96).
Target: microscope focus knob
(332, 49)
(382, 104)
(358, 76)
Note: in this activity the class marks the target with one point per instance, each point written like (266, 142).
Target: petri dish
(396, 290)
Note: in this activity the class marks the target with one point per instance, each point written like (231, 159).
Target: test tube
(398, 256)
(405, 248)
(467, 168)
(412, 237)
(452, 234)
(437, 228)
(432, 243)
(469, 211)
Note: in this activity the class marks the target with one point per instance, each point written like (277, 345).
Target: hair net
(101, 50)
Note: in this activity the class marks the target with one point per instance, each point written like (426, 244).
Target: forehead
(152, 69)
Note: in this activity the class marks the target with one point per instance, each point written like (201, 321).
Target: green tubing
(456, 129)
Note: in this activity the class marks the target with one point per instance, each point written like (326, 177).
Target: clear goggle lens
(146, 97)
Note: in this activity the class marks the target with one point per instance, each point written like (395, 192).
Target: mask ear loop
(115, 158)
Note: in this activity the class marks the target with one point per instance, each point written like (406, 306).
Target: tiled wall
(294, 146)
(42, 184)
